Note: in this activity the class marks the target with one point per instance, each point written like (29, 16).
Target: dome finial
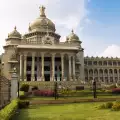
(72, 31)
(42, 11)
(15, 28)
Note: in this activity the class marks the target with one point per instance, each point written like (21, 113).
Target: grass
(82, 111)
(67, 97)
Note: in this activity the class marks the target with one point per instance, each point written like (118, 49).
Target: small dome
(73, 37)
(14, 34)
(42, 23)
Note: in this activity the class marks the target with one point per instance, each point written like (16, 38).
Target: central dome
(42, 23)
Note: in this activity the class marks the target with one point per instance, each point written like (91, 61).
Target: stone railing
(61, 84)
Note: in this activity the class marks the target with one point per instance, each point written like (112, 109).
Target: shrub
(28, 93)
(112, 86)
(24, 87)
(23, 104)
(116, 107)
(117, 102)
(79, 87)
(106, 105)
(116, 91)
(22, 95)
(35, 88)
(43, 93)
(8, 112)
(102, 106)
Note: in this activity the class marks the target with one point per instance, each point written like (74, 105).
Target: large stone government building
(40, 56)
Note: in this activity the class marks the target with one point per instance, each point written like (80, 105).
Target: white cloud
(88, 21)
(111, 51)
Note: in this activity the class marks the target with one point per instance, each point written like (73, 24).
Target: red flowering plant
(49, 93)
(116, 90)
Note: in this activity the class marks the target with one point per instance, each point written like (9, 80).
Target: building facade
(39, 55)
(102, 69)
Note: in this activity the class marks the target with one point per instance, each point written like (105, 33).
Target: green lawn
(67, 97)
(81, 111)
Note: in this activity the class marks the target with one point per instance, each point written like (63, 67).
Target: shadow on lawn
(23, 114)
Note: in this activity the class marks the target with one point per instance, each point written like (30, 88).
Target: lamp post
(55, 90)
(94, 89)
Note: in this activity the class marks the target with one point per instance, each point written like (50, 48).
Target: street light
(94, 89)
(55, 90)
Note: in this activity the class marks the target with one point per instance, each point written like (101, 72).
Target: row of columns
(42, 63)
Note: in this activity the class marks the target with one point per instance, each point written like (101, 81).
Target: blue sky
(96, 22)
(104, 28)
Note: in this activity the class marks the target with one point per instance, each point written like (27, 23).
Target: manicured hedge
(8, 112)
(23, 104)
(24, 87)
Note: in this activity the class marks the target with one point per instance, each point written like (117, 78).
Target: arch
(101, 71)
(91, 78)
(110, 71)
(91, 71)
(118, 63)
(114, 63)
(100, 63)
(109, 62)
(106, 79)
(89, 62)
(95, 63)
(101, 79)
(115, 71)
(116, 79)
(96, 79)
(106, 71)
(105, 63)
(86, 79)
(86, 71)
(111, 79)
(96, 71)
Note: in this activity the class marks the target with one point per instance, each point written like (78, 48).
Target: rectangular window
(47, 68)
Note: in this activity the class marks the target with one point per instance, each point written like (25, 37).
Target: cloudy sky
(96, 22)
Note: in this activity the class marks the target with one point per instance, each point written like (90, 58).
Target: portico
(47, 67)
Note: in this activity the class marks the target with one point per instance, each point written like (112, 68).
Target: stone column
(69, 67)
(21, 67)
(62, 67)
(14, 85)
(74, 68)
(25, 67)
(53, 66)
(118, 75)
(38, 69)
(33, 68)
(42, 61)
